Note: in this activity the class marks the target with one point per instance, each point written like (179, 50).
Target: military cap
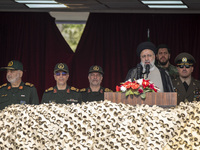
(61, 67)
(13, 65)
(146, 45)
(96, 69)
(184, 58)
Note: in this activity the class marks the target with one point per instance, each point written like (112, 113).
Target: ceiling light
(162, 2)
(36, 1)
(46, 5)
(167, 6)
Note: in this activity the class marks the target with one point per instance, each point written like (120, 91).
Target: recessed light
(46, 5)
(167, 6)
(36, 1)
(162, 2)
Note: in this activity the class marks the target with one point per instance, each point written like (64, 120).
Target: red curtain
(33, 39)
(110, 40)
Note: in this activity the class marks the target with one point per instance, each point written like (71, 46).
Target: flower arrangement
(137, 87)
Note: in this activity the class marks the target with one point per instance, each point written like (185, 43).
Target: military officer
(61, 93)
(95, 92)
(16, 91)
(163, 56)
(187, 88)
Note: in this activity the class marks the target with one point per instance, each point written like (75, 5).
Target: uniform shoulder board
(29, 84)
(83, 90)
(5, 84)
(107, 90)
(74, 89)
(49, 89)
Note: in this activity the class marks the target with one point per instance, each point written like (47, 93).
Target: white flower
(140, 81)
(123, 89)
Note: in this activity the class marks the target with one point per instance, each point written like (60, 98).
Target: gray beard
(152, 65)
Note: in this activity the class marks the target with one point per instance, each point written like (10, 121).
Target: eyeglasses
(59, 73)
(186, 66)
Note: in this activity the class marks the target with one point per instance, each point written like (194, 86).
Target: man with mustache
(163, 56)
(187, 88)
(95, 92)
(62, 93)
(147, 69)
(16, 91)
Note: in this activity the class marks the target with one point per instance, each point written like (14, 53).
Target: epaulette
(83, 90)
(29, 84)
(107, 90)
(49, 89)
(5, 84)
(74, 89)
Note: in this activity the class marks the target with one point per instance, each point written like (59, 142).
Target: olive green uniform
(192, 94)
(172, 70)
(26, 93)
(89, 96)
(68, 96)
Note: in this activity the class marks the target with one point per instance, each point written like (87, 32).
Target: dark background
(109, 40)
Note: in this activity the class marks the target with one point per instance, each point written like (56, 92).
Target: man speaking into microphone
(146, 69)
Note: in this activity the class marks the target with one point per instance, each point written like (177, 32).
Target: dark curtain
(110, 40)
(33, 39)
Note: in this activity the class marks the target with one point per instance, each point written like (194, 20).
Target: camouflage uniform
(172, 70)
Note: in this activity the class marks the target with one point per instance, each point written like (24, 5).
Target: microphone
(139, 71)
(147, 67)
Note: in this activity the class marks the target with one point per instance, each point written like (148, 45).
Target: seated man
(61, 93)
(187, 88)
(16, 91)
(147, 69)
(95, 92)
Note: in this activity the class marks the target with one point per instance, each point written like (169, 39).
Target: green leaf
(143, 96)
(136, 93)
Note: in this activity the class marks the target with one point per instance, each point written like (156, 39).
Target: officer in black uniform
(16, 91)
(62, 93)
(95, 92)
(187, 88)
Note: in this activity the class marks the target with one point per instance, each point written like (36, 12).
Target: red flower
(145, 83)
(155, 89)
(151, 86)
(135, 86)
(140, 91)
(117, 88)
